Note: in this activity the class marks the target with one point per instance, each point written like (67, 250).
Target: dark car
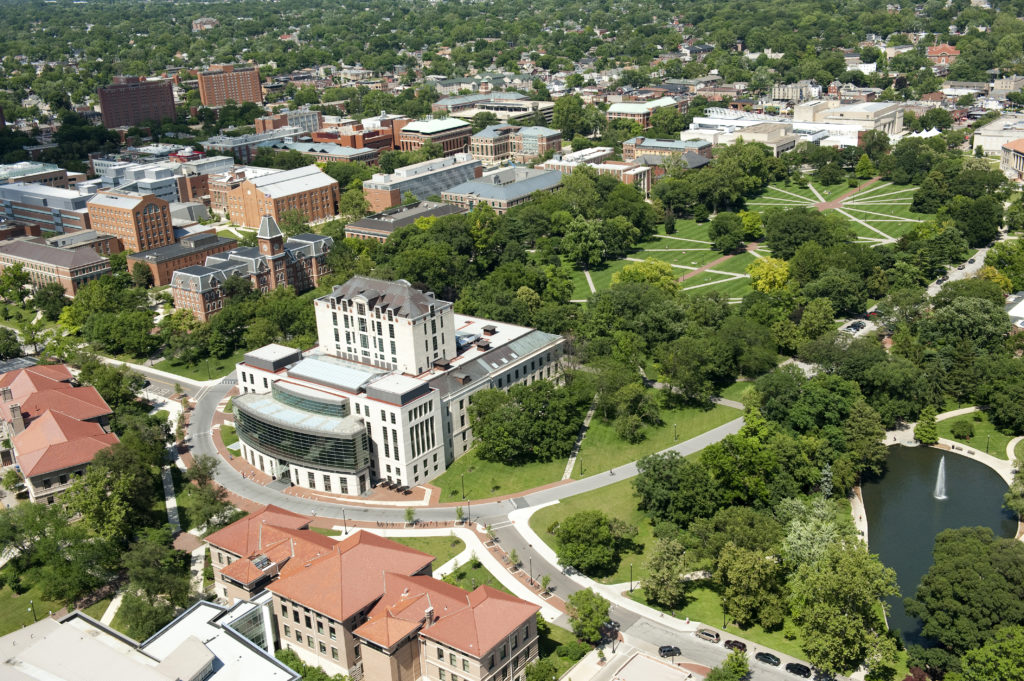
(668, 651)
(960, 267)
(768, 658)
(799, 669)
(971, 261)
(736, 645)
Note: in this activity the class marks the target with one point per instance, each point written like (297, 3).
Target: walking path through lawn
(838, 201)
(590, 282)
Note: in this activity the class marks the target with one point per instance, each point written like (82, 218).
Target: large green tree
(588, 612)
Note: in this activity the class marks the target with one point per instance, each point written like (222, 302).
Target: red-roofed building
(368, 607)
(944, 54)
(1012, 161)
(55, 427)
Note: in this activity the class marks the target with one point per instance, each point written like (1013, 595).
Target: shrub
(962, 429)
(572, 651)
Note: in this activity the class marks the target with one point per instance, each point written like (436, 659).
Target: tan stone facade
(308, 190)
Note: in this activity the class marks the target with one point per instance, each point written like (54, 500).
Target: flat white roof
(272, 352)
(435, 125)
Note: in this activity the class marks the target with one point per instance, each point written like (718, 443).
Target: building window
(440, 654)
(295, 616)
(287, 630)
(309, 640)
(320, 627)
(323, 648)
(441, 675)
(284, 610)
(334, 635)
(465, 665)
(309, 622)
(451, 659)
(334, 653)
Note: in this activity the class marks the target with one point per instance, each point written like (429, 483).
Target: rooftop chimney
(17, 420)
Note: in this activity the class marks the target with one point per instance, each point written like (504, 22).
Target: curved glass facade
(338, 454)
(314, 406)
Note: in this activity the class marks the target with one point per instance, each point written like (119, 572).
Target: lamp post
(987, 441)
(531, 570)
(32, 607)
(344, 520)
(469, 510)
(208, 376)
(630, 578)
(674, 431)
(462, 477)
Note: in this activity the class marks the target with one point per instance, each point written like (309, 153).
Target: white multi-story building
(385, 395)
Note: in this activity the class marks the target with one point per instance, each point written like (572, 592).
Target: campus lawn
(15, 610)
(996, 444)
(705, 606)
(691, 229)
(468, 577)
(736, 391)
(546, 648)
(686, 258)
(218, 368)
(603, 277)
(97, 609)
(443, 549)
(602, 449)
(705, 282)
(228, 435)
(580, 288)
(485, 479)
(617, 501)
(737, 264)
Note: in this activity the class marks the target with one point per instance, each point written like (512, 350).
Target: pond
(904, 515)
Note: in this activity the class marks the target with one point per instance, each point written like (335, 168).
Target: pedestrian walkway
(571, 463)
(115, 605)
(521, 519)
(474, 546)
(954, 413)
(196, 568)
(171, 500)
(1011, 449)
(590, 282)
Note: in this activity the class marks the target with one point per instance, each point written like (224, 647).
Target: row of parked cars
(712, 636)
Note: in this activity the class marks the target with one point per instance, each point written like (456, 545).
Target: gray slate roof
(399, 296)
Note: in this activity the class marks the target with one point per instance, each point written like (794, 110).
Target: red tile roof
(944, 48)
(242, 538)
(82, 403)
(24, 382)
(351, 577)
(54, 441)
(1015, 145)
(492, 616)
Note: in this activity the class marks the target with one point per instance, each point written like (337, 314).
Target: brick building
(132, 100)
(52, 208)
(300, 263)
(47, 264)
(140, 222)
(307, 189)
(452, 134)
(305, 119)
(421, 180)
(369, 607)
(99, 242)
(55, 427)
(190, 250)
(639, 146)
(223, 82)
(381, 132)
(944, 54)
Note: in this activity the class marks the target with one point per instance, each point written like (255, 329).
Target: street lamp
(32, 607)
(987, 441)
(462, 477)
(469, 510)
(630, 578)
(531, 570)
(208, 376)
(674, 431)
(344, 520)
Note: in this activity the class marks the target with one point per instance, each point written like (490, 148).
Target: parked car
(799, 669)
(971, 261)
(708, 635)
(736, 645)
(768, 658)
(961, 266)
(669, 651)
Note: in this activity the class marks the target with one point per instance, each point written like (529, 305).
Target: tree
(973, 587)
(664, 583)
(11, 480)
(582, 243)
(588, 613)
(926, 431)
(865, 169)
(1002, 657)
(104, 499)
(142, 276)
(293, 221)
(202, 469)
(768, 274)
(736, 667)
(752, 583)
(651, 271)
(51, 299)
(10, 346)
(155, 568)
(541, 670)
(143, 618)
(13, 281)
(726, 232)
(977, 219)
(835, 602)
(675, 489)
(352, 204)
(567, 116)
(587, 541)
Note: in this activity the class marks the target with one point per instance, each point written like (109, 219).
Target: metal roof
(334, 372)
(435, 125)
